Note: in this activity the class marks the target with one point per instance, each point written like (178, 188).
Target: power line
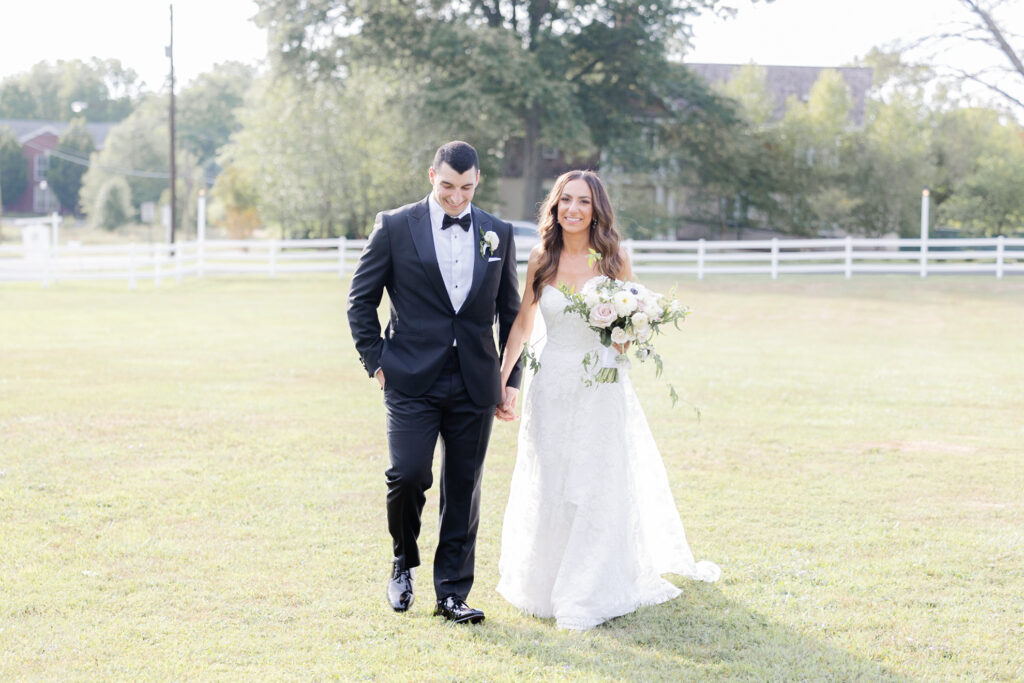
(82, 161)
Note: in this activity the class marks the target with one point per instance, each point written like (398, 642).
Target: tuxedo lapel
(423, 239)
(481, 224)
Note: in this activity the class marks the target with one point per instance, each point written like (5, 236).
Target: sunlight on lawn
(191, 487)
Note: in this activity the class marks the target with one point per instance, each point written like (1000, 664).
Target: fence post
(700, 259)
(924, 256)
(1000, 246)
(201, 255)
(273, 259)
(131, 266)
(341, 257)
(775, 258)
(849, 256)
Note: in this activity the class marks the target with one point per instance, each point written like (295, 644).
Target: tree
(135, 149)
(236, 200)
(754, 174)
(13, 167)
(306, 159)
(984, 23)
(987, 28)
(68, 163)
(113, 204)
(989, 202)
(100, 90)
(815, 140)
(206, 111)
(515, 74)
(893, 160)
(982, 163)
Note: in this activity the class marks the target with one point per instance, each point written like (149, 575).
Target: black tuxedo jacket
(400, 258)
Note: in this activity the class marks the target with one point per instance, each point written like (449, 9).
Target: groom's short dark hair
(459, 155)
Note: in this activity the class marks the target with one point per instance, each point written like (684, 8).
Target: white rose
(640, 319)
(491, 238)
(653, 310)
(591, 298)
(592, 284)
(602, 315)
(619, 335)
(642, 333)
(625, 302)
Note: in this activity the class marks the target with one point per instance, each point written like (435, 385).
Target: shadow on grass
(702, 635)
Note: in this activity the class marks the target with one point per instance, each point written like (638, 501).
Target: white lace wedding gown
(591, 523)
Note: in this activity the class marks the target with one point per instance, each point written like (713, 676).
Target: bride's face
(575, 207)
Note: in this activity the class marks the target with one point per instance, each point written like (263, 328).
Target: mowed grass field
(191, 488)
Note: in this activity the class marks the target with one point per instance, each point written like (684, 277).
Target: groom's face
(453, 191)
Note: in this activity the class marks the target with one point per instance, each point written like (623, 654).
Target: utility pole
(170, 55)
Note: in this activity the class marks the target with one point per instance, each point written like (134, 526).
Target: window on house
(42, 164)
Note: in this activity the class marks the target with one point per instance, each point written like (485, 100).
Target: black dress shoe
(400, 595)
(454, 608)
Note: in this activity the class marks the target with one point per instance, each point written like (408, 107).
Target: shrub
(113, 204)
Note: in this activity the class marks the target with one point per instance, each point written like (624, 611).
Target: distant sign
(35, 241)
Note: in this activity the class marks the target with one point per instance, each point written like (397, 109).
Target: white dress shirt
(455, 252)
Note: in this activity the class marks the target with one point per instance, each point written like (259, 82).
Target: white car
(527, 236)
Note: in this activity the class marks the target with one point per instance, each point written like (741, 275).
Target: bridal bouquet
(622, 312)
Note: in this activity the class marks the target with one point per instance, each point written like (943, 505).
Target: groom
(450, 272)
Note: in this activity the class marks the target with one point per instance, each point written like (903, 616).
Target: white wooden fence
(996, 256)
(158, 262)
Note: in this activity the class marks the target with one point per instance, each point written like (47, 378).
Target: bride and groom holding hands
(591, 524)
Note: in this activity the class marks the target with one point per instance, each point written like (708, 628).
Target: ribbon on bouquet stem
(609, 360)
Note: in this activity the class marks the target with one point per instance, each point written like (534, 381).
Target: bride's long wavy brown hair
(604, 238)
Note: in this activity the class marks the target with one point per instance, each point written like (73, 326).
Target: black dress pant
(414, 424)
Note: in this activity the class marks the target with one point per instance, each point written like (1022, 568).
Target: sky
(206, 32)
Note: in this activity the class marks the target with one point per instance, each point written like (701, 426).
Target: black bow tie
(465, 222)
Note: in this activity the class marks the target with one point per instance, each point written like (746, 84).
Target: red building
(38, 139)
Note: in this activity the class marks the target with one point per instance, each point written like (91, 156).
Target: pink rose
(603, 315)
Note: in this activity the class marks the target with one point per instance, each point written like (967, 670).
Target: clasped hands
(506, 410)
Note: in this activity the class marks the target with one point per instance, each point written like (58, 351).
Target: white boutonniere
(488, 242)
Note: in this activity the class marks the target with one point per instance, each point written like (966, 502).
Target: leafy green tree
(68, 163)
(748, 88)
(815, 138)
(206, 110)
(100, 90)
(752, 174)
(307, 161)
(13, 167)
(136, 149)
(235, 202)
(893, 161)
(985, 197)
(113, 204)
(512, 75)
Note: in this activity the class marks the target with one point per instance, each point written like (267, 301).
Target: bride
(590, 524)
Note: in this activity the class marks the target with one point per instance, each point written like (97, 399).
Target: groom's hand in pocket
(506, 411)
(380, 378)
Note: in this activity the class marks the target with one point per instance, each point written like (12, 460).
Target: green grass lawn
(191, 488)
